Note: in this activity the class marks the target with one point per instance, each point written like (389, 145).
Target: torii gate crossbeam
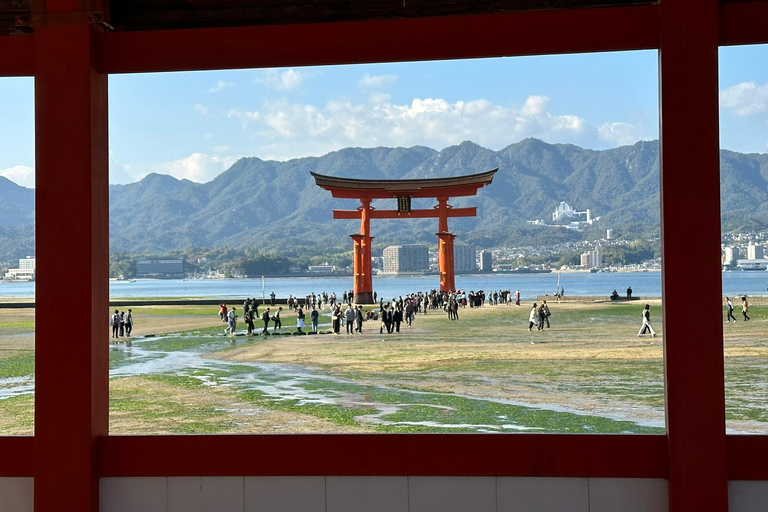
(442, 189)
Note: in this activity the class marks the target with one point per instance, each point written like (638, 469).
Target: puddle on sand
(378, 405)
(15, 386)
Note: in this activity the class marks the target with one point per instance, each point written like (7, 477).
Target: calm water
(530, 285)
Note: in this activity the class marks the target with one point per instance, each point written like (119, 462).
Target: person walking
(397, 318)
(547, 313)
(629, 293)
(646, 325)
(517, 297)
(336, 319)
(300, 320)
(359, 319)
(223, 312)
(115, 323)
(744, 307)
(278, 323)
(272, 298)
(533, 318)
(729, 305)
(314, 316)
(248, 317)
(349, 317)
(129, 322)
(231, 322)
(122, 324)
(388, 318)
(264, 318)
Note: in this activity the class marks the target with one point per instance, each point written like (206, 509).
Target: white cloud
(286, 130)
(376, 81)
(621, 134)
(280, 80)
(202, 109)
(21, 175)
(220, 86)
(745, 99)
(197, 167)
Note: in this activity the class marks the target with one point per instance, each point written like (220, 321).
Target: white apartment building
(464, 258)
(754, 252)
(406, 258)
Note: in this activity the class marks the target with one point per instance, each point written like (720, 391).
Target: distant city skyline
(195, 125)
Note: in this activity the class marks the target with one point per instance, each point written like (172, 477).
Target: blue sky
(194, 125)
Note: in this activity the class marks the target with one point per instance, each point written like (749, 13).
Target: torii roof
(454, 186)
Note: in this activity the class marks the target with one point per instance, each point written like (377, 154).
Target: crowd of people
(121, 323)
(391, 314)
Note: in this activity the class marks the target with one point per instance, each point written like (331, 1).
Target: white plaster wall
(16, 495)
(385, 494)
(747, 496)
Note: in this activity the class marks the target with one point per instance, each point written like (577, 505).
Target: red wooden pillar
(357, 264)
(72, 389)
(445, 248)
(690, 181)
(445, 262)
(364, 285)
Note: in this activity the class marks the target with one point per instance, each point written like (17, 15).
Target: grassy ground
(426, 379)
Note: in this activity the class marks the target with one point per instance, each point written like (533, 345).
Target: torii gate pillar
(361, 261)
(445, 261)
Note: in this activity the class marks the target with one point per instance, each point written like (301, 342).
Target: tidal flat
(588, 373)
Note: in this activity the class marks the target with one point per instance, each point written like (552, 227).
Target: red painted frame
(695, 455)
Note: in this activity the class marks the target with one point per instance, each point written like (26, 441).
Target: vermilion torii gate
(366, 191)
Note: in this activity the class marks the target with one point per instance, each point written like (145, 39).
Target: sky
(195, 125)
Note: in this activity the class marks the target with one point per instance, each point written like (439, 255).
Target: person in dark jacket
(397, 318)
(265, 318)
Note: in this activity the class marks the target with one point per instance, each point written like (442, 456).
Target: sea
(644, 284)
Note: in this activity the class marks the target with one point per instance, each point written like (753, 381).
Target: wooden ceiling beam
(17, 55)
(133, 15)
(450, 37)
(743, 23)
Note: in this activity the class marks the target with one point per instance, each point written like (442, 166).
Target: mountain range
(272, 205)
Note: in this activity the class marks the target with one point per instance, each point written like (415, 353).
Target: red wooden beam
(450, 37)
(746, 457)
(743, 23)
(71, 374)
(453, 191)
(635, 456)
(17, 456)
(413, 214)
(690, 179)
(17, 56)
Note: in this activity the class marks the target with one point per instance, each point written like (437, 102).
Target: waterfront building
(25, 272)
(406, 258)
(486, 261)
(321, 269)
(464, 258)
(752, 264)
(593, 258)
(731, 255)
(609, 234)
(754, 252)
(160, 267)
(27, 263)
